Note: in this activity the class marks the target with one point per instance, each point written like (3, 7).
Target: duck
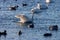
(13, 7)
(47, 34)
(3, 33)
(23, 18)
(19, 33)
(53, 27)
(31, 25)
(24, 4)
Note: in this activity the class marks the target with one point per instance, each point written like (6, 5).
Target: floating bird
(23, 19)
(31, 25)
(24, 4)
(54, 27)
(20, 32)
(13, 7)
(3, 33)
(47, 34)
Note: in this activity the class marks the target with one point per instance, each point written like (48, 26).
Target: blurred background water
(42, 21)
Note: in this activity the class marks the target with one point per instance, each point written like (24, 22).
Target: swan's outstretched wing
(22, 18)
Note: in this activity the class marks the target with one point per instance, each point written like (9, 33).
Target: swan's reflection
(22, 24)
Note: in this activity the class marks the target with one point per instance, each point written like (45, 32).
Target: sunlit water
(42, 20)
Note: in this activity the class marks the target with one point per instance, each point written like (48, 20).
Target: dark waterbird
(47, 35)
(20, 32)
(13, 7)
(3, 33)
(24, 4)
(31, 25)
(54, 27)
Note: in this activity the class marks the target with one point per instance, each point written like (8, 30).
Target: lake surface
(42, 20)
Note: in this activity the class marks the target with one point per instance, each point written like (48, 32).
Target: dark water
(42, 21)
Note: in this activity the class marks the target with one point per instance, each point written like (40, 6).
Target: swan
(41, 7)
(23, 19)
(38, 8)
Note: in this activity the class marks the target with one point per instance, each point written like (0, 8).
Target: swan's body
(35, 10)
(39, 8)
(23, 18)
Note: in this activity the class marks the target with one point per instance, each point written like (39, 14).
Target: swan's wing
(22, 18)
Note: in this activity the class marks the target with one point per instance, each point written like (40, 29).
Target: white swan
(23, 19)
(39, 8)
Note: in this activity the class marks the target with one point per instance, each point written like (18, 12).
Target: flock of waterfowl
(37, 9)
(25, 19)
(51, 28)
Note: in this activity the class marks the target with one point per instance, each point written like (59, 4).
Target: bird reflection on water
(22, 24)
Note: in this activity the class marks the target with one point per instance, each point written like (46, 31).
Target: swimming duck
(13, 7)
(47, 35)
(53, 27)
(3, 33)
